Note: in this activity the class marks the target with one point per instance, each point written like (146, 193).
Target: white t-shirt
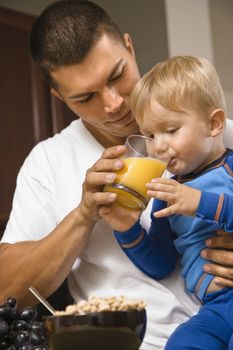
(49, 186)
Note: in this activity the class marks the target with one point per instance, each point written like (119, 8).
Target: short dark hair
(65, 32)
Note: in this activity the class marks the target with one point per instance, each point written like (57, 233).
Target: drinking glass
(140, 167)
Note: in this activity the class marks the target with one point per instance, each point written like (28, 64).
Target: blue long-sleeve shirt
(155, 252)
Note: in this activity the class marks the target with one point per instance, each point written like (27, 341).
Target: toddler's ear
(217, 120)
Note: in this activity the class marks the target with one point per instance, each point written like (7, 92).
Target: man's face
(99, 88)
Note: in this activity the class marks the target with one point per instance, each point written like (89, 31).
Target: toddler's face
(181, 137)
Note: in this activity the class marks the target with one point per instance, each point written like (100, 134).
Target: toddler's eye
(151, 136)
(172, 130)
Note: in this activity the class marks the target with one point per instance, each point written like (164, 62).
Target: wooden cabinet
(28, 112)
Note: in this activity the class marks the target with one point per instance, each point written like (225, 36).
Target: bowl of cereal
(98, 324)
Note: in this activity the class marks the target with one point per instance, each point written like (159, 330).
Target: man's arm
(220, 249)
(45, 263)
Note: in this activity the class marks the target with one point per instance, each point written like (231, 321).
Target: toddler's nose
(160, 149)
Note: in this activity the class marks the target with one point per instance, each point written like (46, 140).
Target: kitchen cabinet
(28, 112)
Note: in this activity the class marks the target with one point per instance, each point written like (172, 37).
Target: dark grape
(14, 314)
(37, 338)
(11, 302)
(4, 344)
(26, 347)
(20, 338)
(20, 330)
(19, 325)
(37, 327)
(4, 328)
(6, 312)
(28, 314)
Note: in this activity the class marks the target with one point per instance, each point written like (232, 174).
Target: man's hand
(180, 199)
(101, 173)
(220, 252)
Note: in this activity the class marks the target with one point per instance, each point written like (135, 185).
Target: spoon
(42, 300)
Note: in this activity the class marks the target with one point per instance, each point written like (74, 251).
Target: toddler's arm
(154, 252)
(185, 200)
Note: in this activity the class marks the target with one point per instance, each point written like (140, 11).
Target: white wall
(188, 28)
(222, 31)
(204, 28)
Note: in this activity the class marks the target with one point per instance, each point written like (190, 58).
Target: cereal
(98, 304)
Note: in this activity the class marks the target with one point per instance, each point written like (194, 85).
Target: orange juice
(130, 184)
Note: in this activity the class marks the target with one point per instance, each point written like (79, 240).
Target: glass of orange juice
(140, 167)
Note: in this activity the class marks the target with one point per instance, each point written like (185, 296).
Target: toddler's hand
(119, 218)
(180, 199)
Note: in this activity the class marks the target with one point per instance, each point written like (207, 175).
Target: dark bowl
(107, 330)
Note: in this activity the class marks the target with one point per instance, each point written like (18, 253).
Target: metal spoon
(42, 300)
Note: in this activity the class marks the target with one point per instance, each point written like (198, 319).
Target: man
(55, 229)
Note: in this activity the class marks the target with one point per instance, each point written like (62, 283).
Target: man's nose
(112, 100)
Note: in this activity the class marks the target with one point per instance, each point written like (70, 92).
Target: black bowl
(107, 330)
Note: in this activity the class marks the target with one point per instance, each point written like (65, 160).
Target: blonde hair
(176, 82)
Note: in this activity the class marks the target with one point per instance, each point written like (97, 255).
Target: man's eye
(86, 99)
(117, 76)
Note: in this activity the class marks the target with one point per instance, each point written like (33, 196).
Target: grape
(27, 347)
(4, 344)
(37, 338)
(11, 302)
(19, 325)
(21, 338)
(4, 328)
(28, 314)
(20, 330)
(37, 327)
(6, 312)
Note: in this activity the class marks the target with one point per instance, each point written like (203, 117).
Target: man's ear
(56, 93)
(217, 121)
(129, 44)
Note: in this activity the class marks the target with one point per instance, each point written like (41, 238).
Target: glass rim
(150, 156)
(141, 137)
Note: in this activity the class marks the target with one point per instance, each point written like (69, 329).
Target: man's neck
(106, 140)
